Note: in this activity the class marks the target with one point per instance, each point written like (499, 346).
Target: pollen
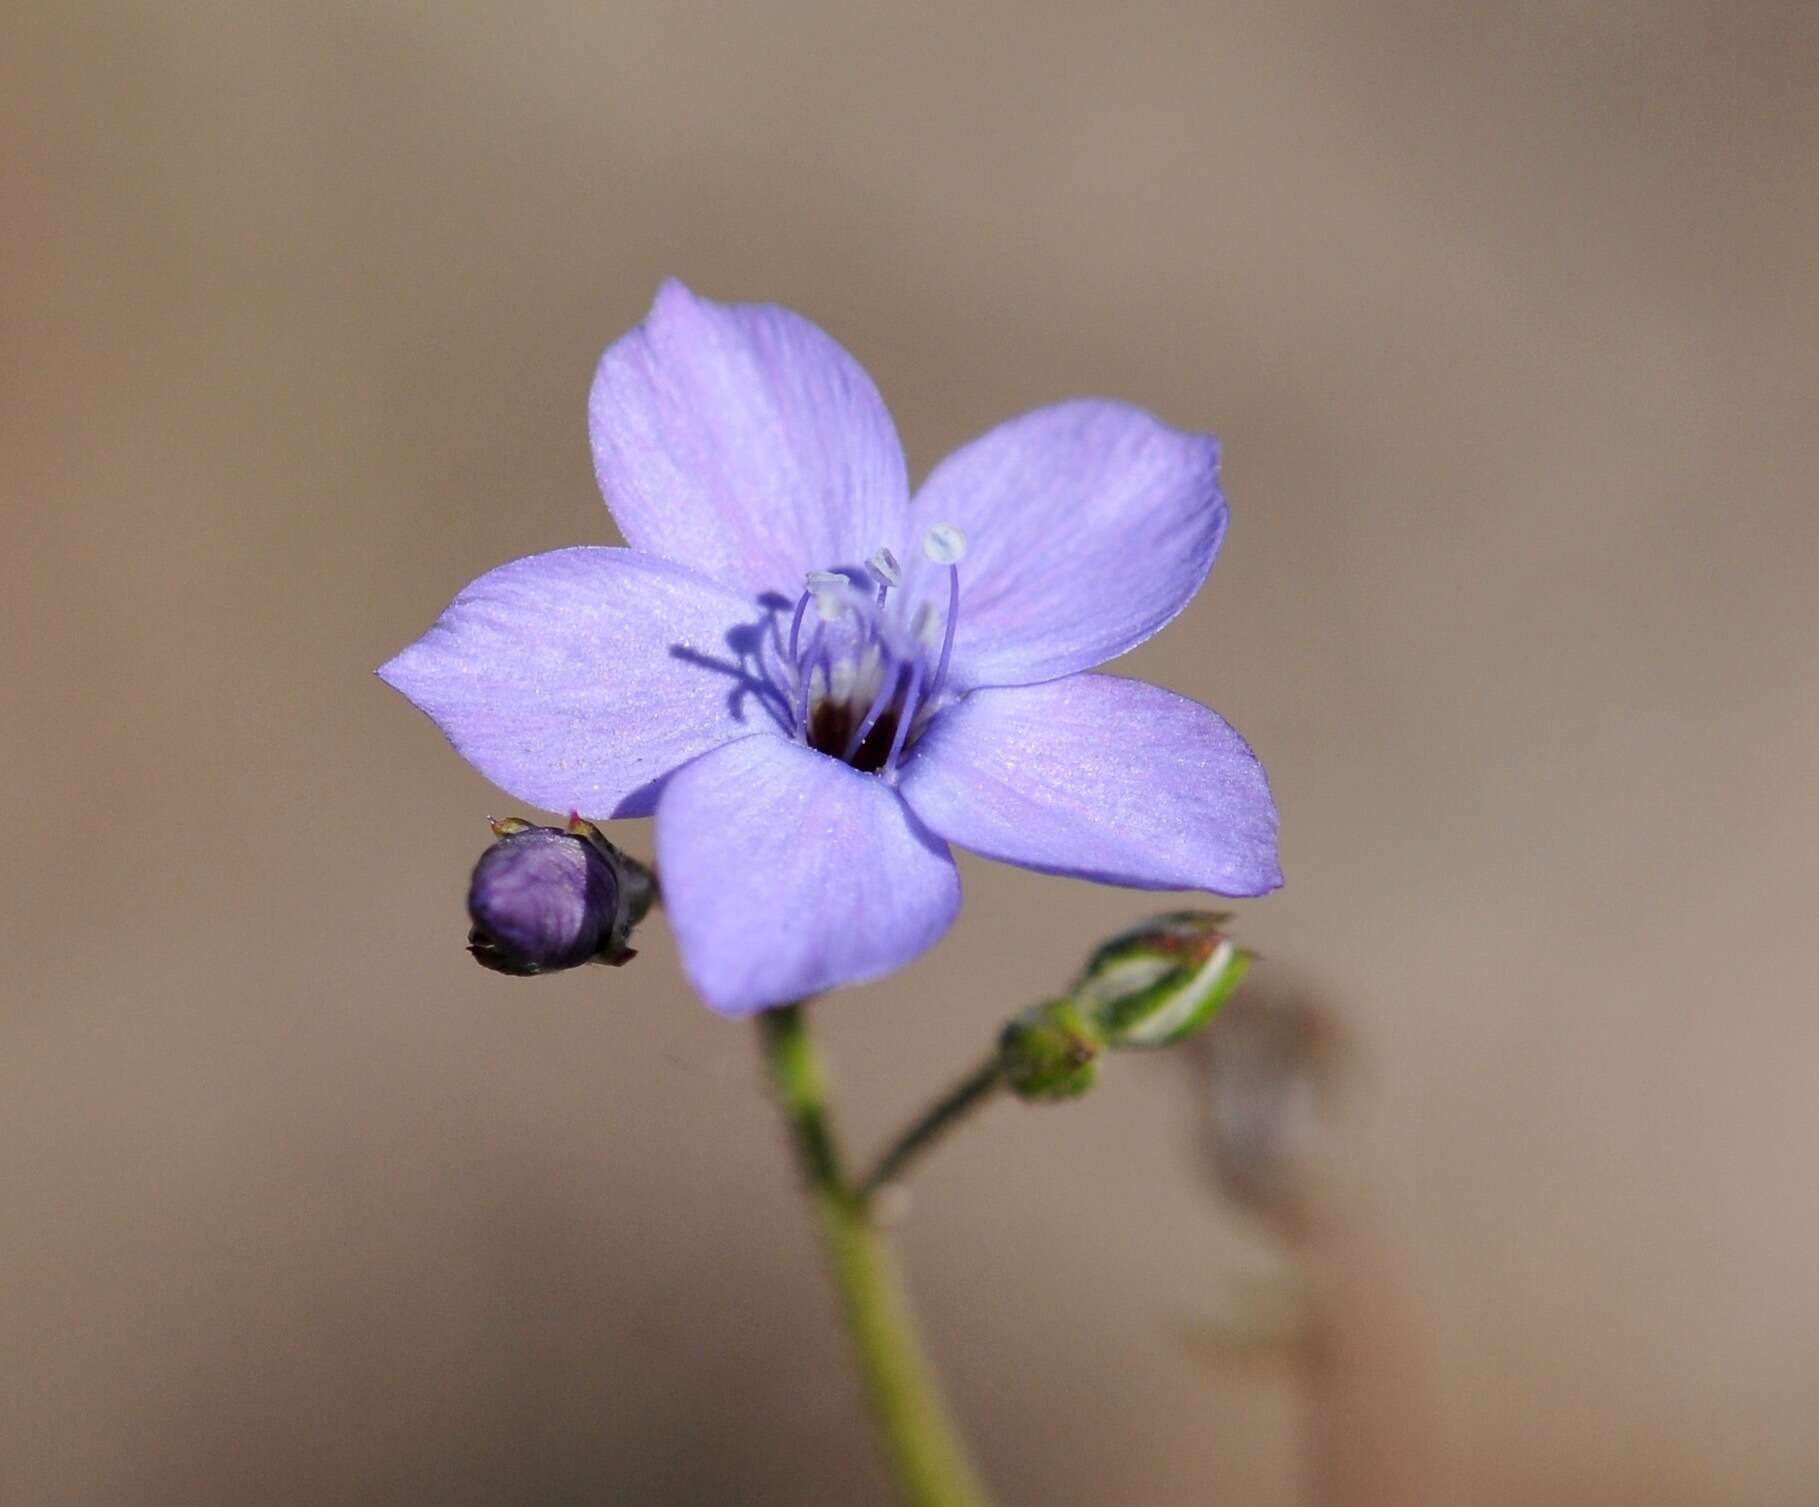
(872, 670)
(944, 544)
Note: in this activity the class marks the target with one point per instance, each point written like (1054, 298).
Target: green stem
(940, 1117)
(920, 1442)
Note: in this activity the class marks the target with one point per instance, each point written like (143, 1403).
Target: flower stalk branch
(923, 1448)
(943, 1115)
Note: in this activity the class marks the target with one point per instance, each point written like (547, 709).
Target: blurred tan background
(1506, 315)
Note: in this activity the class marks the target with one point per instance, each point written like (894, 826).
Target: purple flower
(817, 682)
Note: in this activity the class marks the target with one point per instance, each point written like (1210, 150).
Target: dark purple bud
(543, 899)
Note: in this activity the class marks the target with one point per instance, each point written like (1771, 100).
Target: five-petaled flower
(817, 681)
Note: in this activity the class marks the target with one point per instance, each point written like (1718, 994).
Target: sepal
(1163, 980)
(1051, 1051)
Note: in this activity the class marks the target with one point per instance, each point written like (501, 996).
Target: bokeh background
(1506, 315)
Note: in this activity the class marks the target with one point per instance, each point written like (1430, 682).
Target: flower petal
(1089, 525)
(742, 440)
(785, 873)
(577, 680)
(1100, 777)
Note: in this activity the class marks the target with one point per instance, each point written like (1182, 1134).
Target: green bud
(1161, 981)
(1051, 1051)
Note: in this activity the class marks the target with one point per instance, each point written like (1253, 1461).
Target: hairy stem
(921, 1445)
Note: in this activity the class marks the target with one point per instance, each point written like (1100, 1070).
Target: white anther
(829, 589)
(944, 544)
(884, 565)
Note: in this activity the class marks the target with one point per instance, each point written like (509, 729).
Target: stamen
(805, 674)
(906, 714)
(947, 636)
(884, 632)
(889, 660)
(884, 567)
(887, 684)
(944, 544)
(829, 590)
(795, 629)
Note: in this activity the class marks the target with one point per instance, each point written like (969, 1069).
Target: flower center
(869, 670)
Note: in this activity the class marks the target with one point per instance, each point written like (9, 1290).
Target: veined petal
(785, 873)
(742, 440)
(1103, 778)
(1089, 525)
(577, 680)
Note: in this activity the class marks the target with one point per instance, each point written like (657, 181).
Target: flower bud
(1162, 980)
(1050, 1051)
(543, 899)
